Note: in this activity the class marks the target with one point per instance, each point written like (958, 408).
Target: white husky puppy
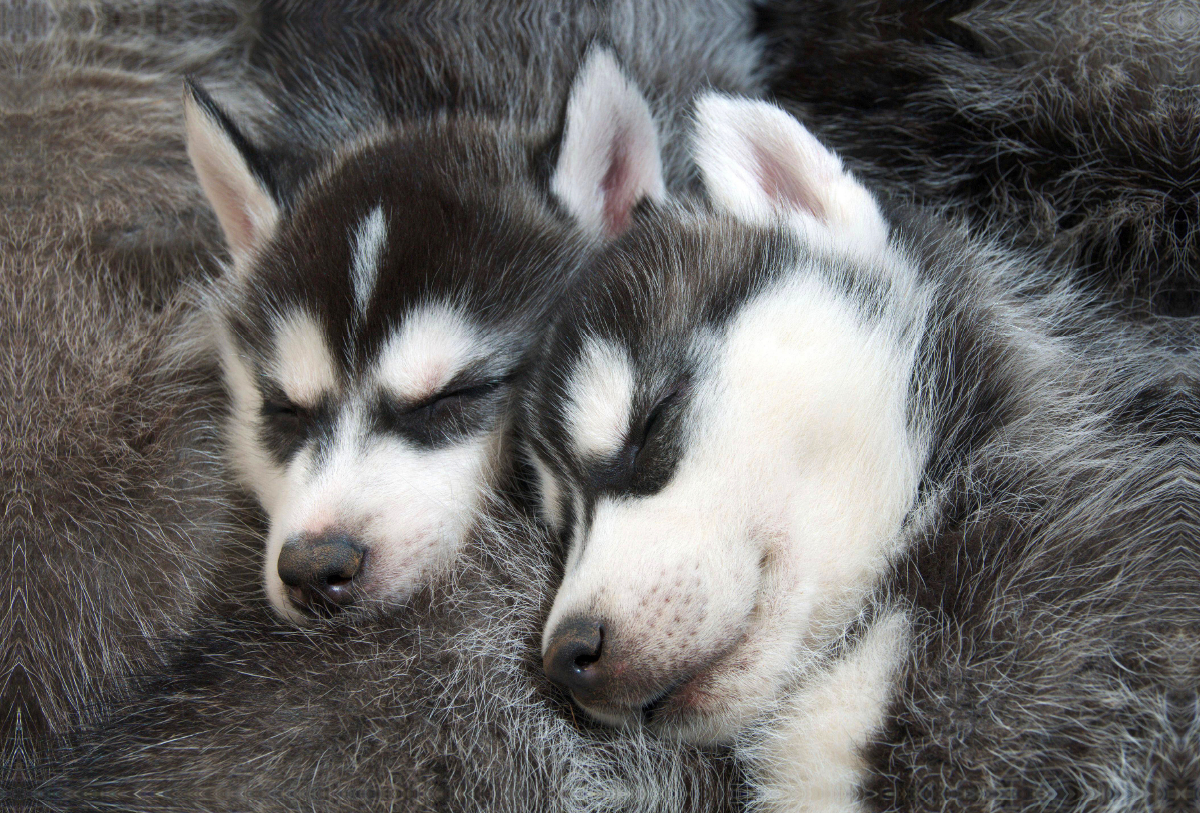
(744, 418)
(723, 427)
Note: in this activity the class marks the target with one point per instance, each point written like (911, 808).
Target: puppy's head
(371, 326)
(720, 429)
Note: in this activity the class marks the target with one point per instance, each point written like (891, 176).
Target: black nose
(574, 657)
(319, 570)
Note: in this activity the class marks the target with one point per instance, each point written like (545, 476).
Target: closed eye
(449, 397)
(286, 423)
(655, 421)
(283, 409)
(456, 412)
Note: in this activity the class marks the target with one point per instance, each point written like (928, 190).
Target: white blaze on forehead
(433, 345)
(369, 241)
(599, 399)
(304, 365)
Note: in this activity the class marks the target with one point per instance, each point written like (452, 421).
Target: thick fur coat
(140, 667)
(1068, 126)
(114, 507)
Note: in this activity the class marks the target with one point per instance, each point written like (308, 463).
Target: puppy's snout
(319, 570)
(574, 659)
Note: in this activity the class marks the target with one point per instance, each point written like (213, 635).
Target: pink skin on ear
(246, 211)
(783, 186)
(609, 159)
(762, 166)
(619, 188)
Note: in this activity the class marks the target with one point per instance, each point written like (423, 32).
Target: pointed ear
(609, 158)
(231, 174)
(761, 165)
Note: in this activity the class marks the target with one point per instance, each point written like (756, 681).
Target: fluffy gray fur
(333, 70)
(441, 706)
(1065, 124)
(114, 508)
(1052, 677)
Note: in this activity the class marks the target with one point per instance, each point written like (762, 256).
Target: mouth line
(660, 704)
(655, 707)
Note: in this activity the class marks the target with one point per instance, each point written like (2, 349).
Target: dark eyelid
(282, 405)
(665, 401)
(653, 416)
(464, 390)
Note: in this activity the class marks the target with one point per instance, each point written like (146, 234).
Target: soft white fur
(739, 143)
(601, 392)
(550, 495)
(304, 366)
(251, 463)
(799, 464)
(808, 757)
(434, 343)
(607, 118)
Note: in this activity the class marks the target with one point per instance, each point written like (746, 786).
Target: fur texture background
(1065, 125)
(1049, 674)
(113, 507)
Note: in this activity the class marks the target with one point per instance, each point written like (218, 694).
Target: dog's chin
(689, 712)
(372, 598)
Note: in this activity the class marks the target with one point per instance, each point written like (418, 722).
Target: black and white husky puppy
(727, 430)
(744, 419)
(372, 321)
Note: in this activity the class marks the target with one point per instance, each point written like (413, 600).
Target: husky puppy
(743, 419)
(374, 319)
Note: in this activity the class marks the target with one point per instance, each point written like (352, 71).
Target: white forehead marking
(304, 365)
(600, 397)
(369, 240)
(434, 344)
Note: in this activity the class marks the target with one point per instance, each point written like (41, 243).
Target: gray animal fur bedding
(1058, 662)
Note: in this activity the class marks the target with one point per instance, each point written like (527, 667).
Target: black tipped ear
(231, 173)
(609, 161)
